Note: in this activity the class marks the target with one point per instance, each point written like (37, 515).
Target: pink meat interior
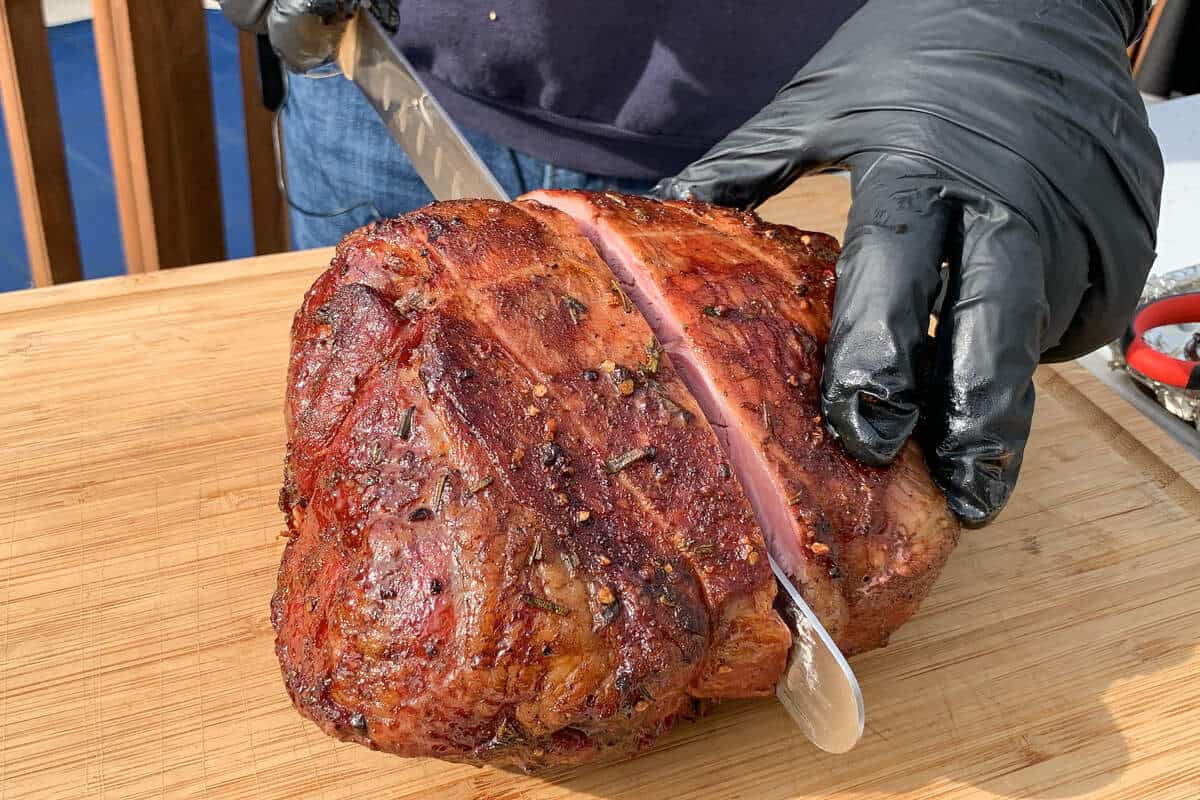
(768, 499)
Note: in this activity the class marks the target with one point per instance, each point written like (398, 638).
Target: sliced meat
(513, 536)
(743, 308)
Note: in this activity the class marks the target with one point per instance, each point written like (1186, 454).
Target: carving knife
(818, 689)
(444, 159)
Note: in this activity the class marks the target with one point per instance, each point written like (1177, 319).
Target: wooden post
(35, 140)
(1143, 46)
(154, 72)
(266, 201)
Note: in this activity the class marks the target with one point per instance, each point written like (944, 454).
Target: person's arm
(1004, 136)
(305, 33)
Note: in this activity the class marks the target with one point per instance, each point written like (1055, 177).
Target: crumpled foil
(1170, 339)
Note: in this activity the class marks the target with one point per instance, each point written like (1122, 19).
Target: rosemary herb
(796, 498)
(406, 423)
(622, 297)
(439, 496)
(704, 549)
(545, 605)
(655, 352)
(505, 735)
(480, 485)
(615, 465)
(574, 307)
(766, 417)
(671, 407)
(535, 552)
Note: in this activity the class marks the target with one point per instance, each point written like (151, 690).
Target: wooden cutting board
(140, 456)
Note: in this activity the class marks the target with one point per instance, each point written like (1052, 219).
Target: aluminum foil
(1178, 341)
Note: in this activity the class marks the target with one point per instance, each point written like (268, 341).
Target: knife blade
(444, 159)
(818, 689)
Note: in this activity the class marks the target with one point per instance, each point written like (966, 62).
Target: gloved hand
(1004, 136)
(305, 33)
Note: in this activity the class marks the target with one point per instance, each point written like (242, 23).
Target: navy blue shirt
(615, 87)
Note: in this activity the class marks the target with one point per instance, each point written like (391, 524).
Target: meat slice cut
(513, 537)
(743, 308)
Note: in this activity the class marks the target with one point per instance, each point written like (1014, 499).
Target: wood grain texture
(140, 458)
(126, 143)
(266, 200)
(30, 108)
(154, 72)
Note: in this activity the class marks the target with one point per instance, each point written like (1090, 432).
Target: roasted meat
(514, 538)
(526, 490)
(743, 310)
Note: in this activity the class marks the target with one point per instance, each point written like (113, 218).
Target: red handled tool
(1182, 373)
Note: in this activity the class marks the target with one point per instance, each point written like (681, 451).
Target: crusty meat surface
(513, 538)
(743, 309)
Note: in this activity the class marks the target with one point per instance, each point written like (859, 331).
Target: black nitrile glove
(305, 33)
(1005, 136)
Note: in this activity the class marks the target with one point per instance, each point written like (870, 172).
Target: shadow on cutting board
(1008, 683)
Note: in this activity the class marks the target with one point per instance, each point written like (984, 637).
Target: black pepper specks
(359, 723)
(435, 587)
(420, 514)
(550, 453)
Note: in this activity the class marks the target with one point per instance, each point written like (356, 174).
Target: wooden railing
(157, 93)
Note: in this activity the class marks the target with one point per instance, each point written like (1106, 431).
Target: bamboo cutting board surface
(140, 455)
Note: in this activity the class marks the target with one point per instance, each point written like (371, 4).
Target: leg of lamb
(526, 500)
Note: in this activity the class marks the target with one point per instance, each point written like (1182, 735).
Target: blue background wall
(76, 75)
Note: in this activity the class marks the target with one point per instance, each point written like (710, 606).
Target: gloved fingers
(306, 33)
(249, 15)
(888, 279)
(751, 164)
(979, 405)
